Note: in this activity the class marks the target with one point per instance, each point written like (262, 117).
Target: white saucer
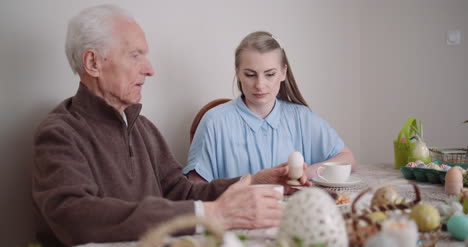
(352, 180)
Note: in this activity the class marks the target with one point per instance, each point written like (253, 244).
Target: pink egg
(411, 164)
(453, 181)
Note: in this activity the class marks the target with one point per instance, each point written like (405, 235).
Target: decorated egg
(444, 167)
(312, 217)
(419, 162)
(412, 164)
(383, 196)
(433, 166)
(458, 226)
(453, 181)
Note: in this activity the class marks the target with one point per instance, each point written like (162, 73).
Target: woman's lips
(260, 95)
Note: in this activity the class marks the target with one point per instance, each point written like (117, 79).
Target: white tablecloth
(370, 174)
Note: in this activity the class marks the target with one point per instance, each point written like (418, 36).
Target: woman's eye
(271, 74)
(250, 75)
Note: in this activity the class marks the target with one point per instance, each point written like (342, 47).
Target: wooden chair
(202, 112)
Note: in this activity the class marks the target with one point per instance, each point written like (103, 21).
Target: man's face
(125, 67)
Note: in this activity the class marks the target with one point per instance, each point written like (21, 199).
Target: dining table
(366, 175)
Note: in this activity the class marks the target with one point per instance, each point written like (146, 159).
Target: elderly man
(103, 172)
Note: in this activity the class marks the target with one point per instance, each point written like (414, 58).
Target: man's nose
(148, 68)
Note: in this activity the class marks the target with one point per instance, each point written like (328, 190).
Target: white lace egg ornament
(312, 216)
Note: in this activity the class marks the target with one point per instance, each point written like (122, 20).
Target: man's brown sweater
(97, 180)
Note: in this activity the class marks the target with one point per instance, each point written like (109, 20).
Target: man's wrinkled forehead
(127, 32)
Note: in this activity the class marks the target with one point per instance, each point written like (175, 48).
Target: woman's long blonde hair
(264, 42)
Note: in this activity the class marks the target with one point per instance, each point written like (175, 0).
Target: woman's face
(260, 75)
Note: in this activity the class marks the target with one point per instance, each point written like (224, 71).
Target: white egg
(295, 162)
(295, 159)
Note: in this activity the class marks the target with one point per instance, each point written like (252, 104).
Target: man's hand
(243, 206)
(279, 175)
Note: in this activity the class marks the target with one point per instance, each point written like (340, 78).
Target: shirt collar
(90, 104)
(255, 122)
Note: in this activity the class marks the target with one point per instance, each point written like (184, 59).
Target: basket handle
(390, 206)
(158, 236)
(363, 215)
(407, 130)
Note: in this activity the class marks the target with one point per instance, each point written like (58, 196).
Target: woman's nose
(260, 82)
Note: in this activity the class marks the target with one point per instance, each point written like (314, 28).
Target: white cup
(335, 172)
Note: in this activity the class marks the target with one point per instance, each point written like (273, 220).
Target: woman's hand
(279, 175)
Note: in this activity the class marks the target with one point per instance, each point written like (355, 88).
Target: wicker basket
(361, 227)
(450, 155)
(160, 236)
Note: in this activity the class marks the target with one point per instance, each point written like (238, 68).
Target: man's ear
(91, 62)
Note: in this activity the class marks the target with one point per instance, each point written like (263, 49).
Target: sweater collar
(96, 107)
(255, 122)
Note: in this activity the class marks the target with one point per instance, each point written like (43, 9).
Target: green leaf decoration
(319, 245)
(242, 237)
(402, 201)
(298, 241)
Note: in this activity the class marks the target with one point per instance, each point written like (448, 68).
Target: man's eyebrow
(139, 51)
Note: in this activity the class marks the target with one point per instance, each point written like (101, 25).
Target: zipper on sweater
(131, 155)
(130, 150)
(132, 159)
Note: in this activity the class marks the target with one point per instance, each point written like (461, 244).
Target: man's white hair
(91, 29)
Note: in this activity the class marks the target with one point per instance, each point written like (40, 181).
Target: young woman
(260, 128)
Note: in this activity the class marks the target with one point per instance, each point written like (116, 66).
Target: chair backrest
(202, 112)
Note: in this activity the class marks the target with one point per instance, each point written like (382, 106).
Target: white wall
(357, 64)
(407, 69)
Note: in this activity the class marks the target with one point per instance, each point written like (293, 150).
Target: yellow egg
(426, 216)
